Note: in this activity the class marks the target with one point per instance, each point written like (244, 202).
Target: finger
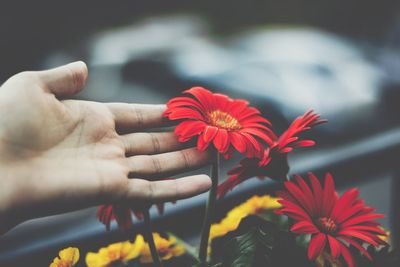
(65, 80)
(137, 116)
(167, 190)
(163, 165)
(151, 143)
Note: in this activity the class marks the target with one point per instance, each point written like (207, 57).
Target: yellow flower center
(113, 255)
(326, 225)
(223, 120)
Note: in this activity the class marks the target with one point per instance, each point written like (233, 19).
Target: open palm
(59, 155)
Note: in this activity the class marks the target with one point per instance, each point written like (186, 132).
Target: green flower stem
(190, 250)
(210, 211)
(150, 240)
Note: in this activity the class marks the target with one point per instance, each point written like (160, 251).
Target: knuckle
(156, 164)
(150, 191)
(139, 115)
(186, 156)
(155, 143)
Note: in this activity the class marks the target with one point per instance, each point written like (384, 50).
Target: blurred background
(339, 57)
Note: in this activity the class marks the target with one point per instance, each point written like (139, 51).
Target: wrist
(8, 217)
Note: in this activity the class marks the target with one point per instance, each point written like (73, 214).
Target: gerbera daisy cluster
(337, 225)
(230, 124)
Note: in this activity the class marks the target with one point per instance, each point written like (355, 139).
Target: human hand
(59, 155)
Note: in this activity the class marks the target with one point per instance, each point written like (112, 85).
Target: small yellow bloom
(385, 237)
(167, 249)
(254, 205)
(117, 252)
(67, 257)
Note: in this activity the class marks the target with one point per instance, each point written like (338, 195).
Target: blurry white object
(145, 38)
(296, 68)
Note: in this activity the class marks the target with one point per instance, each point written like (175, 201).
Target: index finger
(137, 116)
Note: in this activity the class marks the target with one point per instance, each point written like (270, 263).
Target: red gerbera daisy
(218, 119)
(334, 222)
(121, 214)
(274, 161)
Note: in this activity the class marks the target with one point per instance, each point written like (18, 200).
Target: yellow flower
(67, 257)
(167, 248)
(385, 237)
(117, 252)
(254, 205)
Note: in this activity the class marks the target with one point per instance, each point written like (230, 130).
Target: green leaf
(249, 249)
(259, 242)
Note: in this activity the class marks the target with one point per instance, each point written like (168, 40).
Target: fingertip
(80, 73)
(199, 183)
(79, 65)
(65, 80)
(204, 181)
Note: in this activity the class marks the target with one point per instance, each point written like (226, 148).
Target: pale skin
(59, 155)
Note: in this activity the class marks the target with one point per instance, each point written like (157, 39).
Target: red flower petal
(360, 219)
(359, 235)
(221, 141)
(304, 227)
(334, 244)
(204, 97)
(329, 192)
(295, 208)
(238, 141)
(344, 203)
(304, 200)
(185, 113)
(307, 192)
(187, 129)
(317, 245)
(303, 143)
(258, 133)
(350, 212)
(250, 112)
(228, 185)
(317, 191)
(209, 133)
(290, 138)
(357, 246)
(238, 106)
(347, 255)
(184, 102)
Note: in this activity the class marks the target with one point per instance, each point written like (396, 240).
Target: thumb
(65, 80)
